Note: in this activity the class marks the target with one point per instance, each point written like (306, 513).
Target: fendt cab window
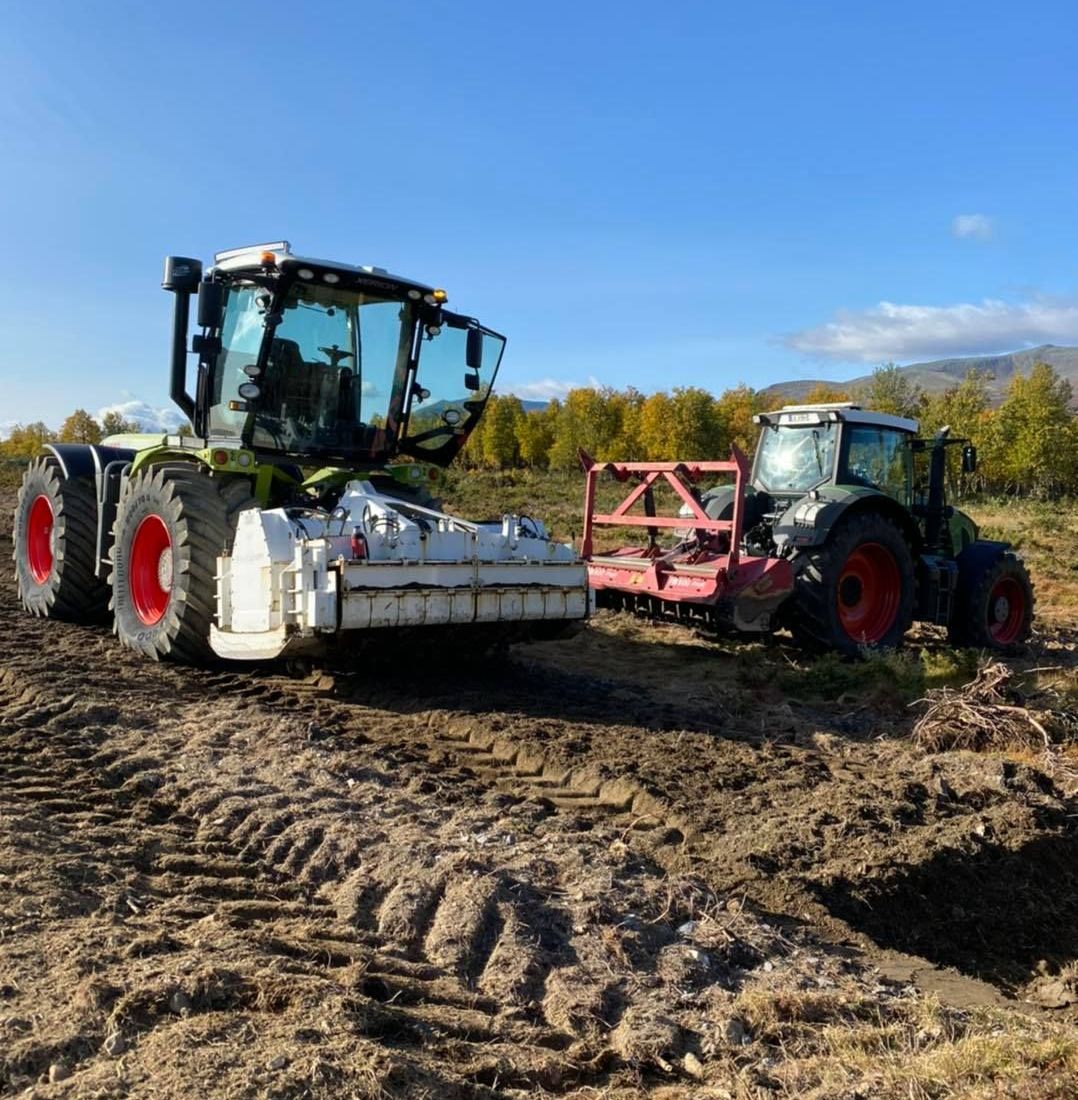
(330, 370)
(879, 458)
(795, 457)
(445, 406)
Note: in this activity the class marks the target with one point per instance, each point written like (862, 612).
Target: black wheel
(855, 592)
(171, 524)
(55, 537)
(993, 607)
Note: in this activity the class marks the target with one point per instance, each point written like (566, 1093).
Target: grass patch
(842, 1043)
(892, 680)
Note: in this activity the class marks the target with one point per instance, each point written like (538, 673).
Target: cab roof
(256, 257)
(845, 411)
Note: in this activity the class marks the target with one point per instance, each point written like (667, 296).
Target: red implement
(704, 575)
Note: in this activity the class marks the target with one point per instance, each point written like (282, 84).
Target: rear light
(359, 546)
(220, 458)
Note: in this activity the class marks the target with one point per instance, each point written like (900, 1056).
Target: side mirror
(471, 381)
(211, 305)
(969, 459)
(473, 350)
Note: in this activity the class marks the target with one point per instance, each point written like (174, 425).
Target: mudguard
(809, 521)
(87, 459)
(980, 555)
(105, 465)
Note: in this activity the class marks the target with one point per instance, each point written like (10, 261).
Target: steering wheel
(335, 355)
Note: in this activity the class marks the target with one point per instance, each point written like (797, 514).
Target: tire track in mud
(497, 760)
(63, 776)
(467, 958)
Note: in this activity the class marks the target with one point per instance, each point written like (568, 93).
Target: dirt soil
(622, 865)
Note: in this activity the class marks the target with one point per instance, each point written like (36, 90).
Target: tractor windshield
(795, 457)
(449, 395)
(332, 378)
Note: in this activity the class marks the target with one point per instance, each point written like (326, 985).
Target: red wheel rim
(869, 593)
(1006, 611)
(39, 526)
(150, 570)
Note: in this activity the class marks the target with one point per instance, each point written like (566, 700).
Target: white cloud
(975, 227)
(545, 389)
(890, 331)
(5, 427)
(148, 418)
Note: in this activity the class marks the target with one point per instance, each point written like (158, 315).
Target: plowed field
(635, 863)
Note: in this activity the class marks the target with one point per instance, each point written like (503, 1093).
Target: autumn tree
(113, 423)
(697, 430)
(589, 419)
(962, 408)
(27, 440)
(1032, 440)
(890, 390)
(735, 409)
(536, 433)
(823, 393)
(501, 432)
(656, 428)
(80, 427)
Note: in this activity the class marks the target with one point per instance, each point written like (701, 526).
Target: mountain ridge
(938, 375)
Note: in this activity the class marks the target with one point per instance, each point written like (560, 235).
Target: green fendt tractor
(840, 531)
(328, 399)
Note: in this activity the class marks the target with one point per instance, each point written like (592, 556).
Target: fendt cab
(840, 532)
(288, 518)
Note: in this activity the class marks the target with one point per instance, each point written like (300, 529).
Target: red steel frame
(675, 474)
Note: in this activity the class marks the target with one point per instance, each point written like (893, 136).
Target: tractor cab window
(449, 396)
(878, 458)
(796, 457)
(241, 339)
(332, 372)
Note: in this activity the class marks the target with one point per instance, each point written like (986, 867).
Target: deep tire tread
(814, 613)
(73, 591)
(969, 621)
(200, 513)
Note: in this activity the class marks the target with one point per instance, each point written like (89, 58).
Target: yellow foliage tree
(735, 409)
(1032, 439)
(824, 394)
(27, 440)
(656, 428)
(80, 427)
(537, 435)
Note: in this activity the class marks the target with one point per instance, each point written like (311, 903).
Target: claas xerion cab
(840, 531)
(328, 400)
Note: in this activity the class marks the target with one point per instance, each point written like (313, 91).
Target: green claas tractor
(328, 399)
(840, 531)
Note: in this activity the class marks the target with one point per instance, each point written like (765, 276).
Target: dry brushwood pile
(621, 866)
(993, 712)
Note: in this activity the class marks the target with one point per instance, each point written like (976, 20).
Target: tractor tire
(55, 540)
(993, 605)
(856, 592)
(172, 522)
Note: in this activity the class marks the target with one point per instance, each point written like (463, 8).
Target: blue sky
(685, 194)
